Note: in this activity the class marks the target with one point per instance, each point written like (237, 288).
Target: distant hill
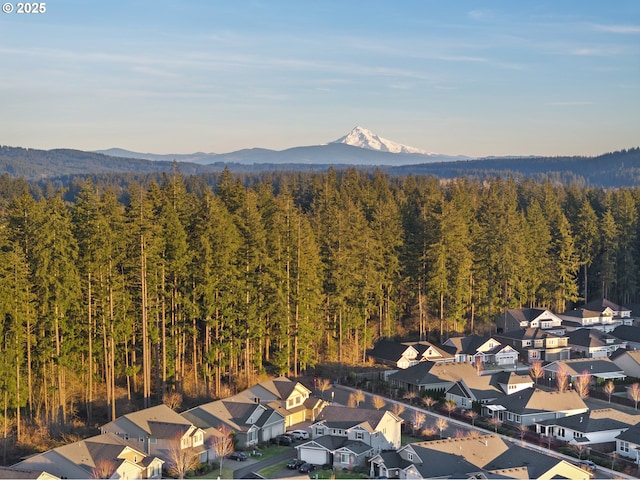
(615, 169)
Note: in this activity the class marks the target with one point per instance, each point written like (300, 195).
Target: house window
(125, 436)
(359, 435)
(344, 458)
(410, 457)
(560, 431)
(624, 447)
(516, 418)
(141, 439)
(153, 440)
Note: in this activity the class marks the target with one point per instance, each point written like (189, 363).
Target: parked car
(283, 440)
(587, 465)
(294, 464)
(238, 456)
(306, 468)
(299, 434)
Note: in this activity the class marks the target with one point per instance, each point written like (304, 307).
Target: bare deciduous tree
(472, 414)
(358, 395)
(495, 422)
(417, 418)
(323, 386)
(583, 384)
(410, 396)
(429, 431)
(429, 402)
(609, 388)
(180, 460)
(441, 424)
(634, 393)
(223, 444)
(397, 409)
(562, 377)
(378, 402)
(104, 469)
(536, 371)
(450, 407)
(173, 400)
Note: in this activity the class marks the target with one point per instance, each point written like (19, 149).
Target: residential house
(289, 398)
(485, 350)
(157, 430)
(628, 361)
(600, 370)
(595, 428)
(525, 318)
(628, 444)
(436, 377)
(10, 473)
(487, 456)
(536, 344)
(599, 314)
(394, 354)
(102, 456)
(250, 422)
(481, 389)
(593, 343)
(428, 351)
(345, 437)
(532, 405)
(629, 334)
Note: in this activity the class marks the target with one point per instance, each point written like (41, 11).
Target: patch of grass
(407, 439)
(268, 451)
(215, 473)
(328, 474)
(271, 472)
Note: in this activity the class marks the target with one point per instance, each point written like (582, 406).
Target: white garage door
(313, 455)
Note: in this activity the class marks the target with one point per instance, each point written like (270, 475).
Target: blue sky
(463, 77)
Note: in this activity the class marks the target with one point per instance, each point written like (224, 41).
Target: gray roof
(626, 332)
(596, 421)
(430, 373)
(335, 416)
(389, 350)
(601, 304)
(594, 366)
(632, 435)
(591, 338)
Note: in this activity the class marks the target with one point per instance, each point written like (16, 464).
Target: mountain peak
(364, 138)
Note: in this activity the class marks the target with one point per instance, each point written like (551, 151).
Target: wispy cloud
(569, 104)
(622, 29)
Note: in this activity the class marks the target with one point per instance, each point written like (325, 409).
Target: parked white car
(299, 434)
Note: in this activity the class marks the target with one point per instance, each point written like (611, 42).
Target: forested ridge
(61, 166)
(200, 285)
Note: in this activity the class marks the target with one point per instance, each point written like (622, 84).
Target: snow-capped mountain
(363, 138)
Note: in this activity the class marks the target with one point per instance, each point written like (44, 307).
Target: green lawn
(270, 472)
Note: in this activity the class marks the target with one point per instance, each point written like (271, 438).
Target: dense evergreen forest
(201, 284)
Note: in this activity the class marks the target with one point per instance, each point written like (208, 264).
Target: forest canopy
(200, 284)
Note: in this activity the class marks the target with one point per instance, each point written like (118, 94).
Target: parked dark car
(306, 468)
(238, 456)
(283, 440)
(294, 464)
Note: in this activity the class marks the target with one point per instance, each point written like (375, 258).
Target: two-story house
(250, 422)
(600, 314)
(628, 361)
(289, 398)
(102, 456)
(524, 318)
(428, 351)
(485, 350)
(345, 437)
(393, 354)
(537, 344)
(628, 334)
(157, 431)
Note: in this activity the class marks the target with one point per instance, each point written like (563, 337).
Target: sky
(470, 78)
